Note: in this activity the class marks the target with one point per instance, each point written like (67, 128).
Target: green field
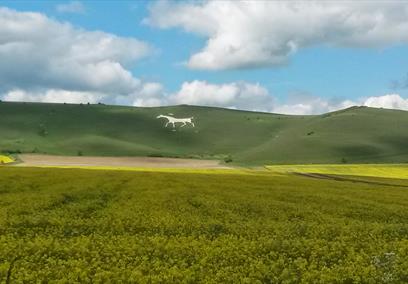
(99, 226)
(355, 135)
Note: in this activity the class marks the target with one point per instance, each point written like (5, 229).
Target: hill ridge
(353, 135)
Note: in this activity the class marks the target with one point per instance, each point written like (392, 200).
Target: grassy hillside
(156, 227)
(356, 135)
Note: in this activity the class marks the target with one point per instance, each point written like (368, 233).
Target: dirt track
(342, 178)
(32, 160)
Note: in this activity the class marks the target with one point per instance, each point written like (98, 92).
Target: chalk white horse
(173, 120)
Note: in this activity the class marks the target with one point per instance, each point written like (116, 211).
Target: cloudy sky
(279, 56)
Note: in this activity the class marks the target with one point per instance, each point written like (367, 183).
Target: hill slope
(355, 135)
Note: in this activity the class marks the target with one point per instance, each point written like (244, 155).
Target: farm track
(342, 178)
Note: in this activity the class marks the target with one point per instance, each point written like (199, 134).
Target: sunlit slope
(356, 135)
(370, 170)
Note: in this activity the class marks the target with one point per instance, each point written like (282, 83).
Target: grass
(5, 159)
(373, 170)
(355, 135)
(99, 226)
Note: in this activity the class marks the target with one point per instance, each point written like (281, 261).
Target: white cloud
(71, 7)
(246, 34)
(303, 103)
(54, 96)
(250, 96)
(236, 95)
(254, 97)
(240, 95)
(39, 53)
(391, 101)
(151, 94)
(316, 105)
(48, 61)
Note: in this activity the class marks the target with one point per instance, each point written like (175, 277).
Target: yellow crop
(75, 225)
(374, 170)
(5, 159)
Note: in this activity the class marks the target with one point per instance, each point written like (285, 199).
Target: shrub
(42, 130)
(155, 155)
(228, 159)
(16, 151)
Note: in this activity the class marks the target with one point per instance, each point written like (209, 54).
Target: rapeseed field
(398, 171)
(105, 226)
(5, 159)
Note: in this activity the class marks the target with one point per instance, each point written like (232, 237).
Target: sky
(289, 57)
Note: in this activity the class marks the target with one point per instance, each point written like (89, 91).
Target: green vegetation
(355, 135)
(99, 226)
(377, 170)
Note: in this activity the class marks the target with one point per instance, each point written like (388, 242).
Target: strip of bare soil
(32, 160)
(342, 178)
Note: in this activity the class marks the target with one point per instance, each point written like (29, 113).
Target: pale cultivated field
(34, 160)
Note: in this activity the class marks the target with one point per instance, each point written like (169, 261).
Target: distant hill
(354, 135)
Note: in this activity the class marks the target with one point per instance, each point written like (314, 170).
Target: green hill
(354, 135)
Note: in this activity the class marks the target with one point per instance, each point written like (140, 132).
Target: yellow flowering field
(399, 171)
(104, 226)
(5, 159)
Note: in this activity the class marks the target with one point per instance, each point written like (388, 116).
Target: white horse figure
(173, 120)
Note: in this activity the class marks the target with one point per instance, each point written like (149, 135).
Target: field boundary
(395, 171)
(342, 178)
(37, 160)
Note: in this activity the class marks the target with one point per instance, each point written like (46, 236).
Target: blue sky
(317, 71)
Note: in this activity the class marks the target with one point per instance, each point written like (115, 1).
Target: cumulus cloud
(45, 60)
(312, 105)
(247, 34)
(254, 97)
(316, 105)
(391, 101)
(55, 58)
(240, 95)
(54, 96)
(150, 95)
(75, 7)
(235, 95)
